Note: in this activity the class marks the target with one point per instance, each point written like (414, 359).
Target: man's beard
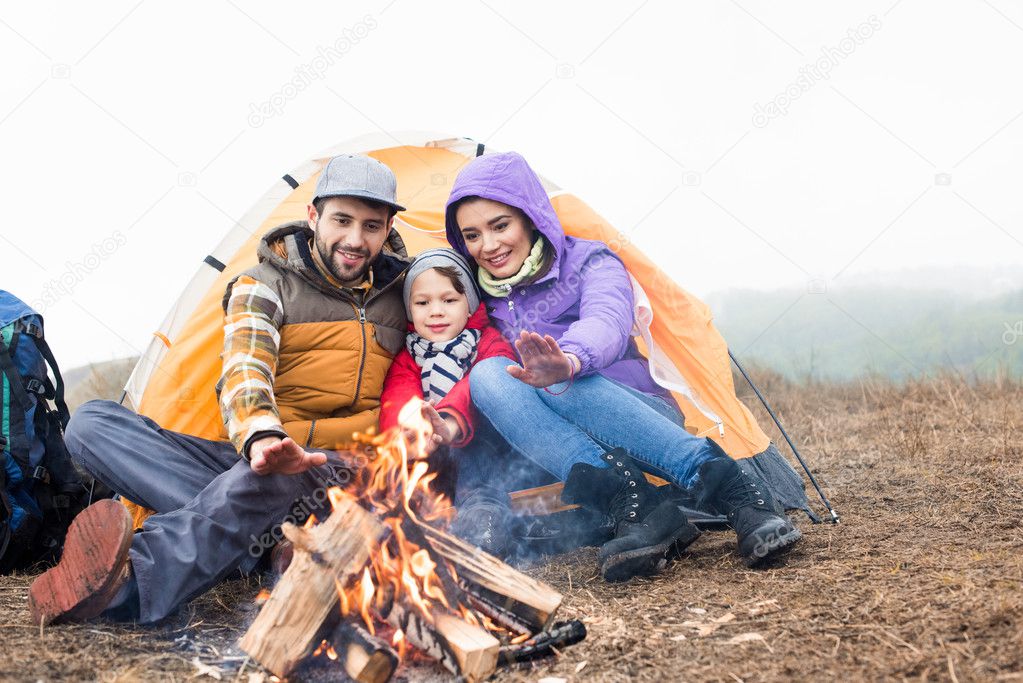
(337, 270)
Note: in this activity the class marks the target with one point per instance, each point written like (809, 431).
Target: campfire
(380, 580)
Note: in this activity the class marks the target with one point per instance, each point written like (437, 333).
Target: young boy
(449, 332)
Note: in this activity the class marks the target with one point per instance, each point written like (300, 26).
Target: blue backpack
(40, 488)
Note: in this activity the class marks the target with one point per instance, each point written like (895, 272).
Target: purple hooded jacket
(584, 300)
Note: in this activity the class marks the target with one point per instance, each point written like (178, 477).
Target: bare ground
(922, 580)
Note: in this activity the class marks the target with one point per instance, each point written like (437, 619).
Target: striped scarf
(442, 363)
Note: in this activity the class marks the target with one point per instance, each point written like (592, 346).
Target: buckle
(31, 329)
(35, 386)
(40, 473)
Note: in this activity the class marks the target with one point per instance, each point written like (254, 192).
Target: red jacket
(404, 380)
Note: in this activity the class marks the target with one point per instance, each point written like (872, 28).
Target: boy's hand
(443, 429)
(454, 431)
(444, 426)
(274, 455)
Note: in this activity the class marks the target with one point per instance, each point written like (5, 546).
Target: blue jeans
(554, 431)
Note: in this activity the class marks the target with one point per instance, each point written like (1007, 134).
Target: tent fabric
(174, 380)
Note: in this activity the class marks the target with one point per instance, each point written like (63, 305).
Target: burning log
(459, 592)
(414, 532)
(366, 658)
(461, 647)
(528, 600)
(496, 614)
(544, 644)
(305, 601)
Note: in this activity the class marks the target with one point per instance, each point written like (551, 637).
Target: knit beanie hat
(434, 258)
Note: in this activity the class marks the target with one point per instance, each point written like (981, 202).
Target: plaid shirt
(252, 339)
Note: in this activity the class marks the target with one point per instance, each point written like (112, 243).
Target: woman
(582, 385)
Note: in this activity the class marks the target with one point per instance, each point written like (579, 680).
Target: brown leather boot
(92, 569)
(281, 556)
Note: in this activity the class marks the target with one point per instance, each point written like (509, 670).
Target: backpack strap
(56, 477)
(54, 391)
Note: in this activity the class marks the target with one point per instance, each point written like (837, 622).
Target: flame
(418, 471)
(398, 641)
(469, 616)
(367, 588)
(336, 496)
(346, 605)
(396, 478)
(412, 420)
(263, 596)
(310, 523)
(325, 648)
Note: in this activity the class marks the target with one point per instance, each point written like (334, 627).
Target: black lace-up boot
(760, 524)
(648, 523)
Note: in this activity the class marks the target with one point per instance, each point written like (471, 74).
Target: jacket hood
(508, 179)
(287, 247)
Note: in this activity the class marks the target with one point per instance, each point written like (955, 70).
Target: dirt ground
(922, 580)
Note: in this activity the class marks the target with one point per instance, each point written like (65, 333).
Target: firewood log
(529, 600)
(366, 658)
(304, 603)
(459, 646)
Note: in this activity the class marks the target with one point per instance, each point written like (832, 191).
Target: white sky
(130, 122)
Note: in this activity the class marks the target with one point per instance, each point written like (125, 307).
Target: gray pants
(214, 514)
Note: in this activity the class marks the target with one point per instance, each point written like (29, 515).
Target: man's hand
(273, 455)
(543, 361)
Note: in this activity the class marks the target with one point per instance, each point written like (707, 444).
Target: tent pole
(813, 480)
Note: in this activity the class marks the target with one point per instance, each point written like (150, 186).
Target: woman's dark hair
(475, 198)
(451, 273)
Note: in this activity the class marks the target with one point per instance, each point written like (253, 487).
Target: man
(309, 334)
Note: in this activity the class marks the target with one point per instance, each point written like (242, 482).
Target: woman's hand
(543, 361)
(274, 455)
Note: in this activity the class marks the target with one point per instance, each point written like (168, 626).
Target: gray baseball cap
(355, 175)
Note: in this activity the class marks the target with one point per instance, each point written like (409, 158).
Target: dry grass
(97, 380)
(923, 580)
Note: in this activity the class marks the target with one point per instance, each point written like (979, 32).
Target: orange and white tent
(174, 380)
